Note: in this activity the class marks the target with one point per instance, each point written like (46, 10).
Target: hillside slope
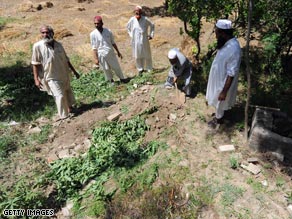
(198, 169)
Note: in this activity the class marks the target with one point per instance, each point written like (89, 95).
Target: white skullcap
(138, 8)
(224, 24)
(172, 54)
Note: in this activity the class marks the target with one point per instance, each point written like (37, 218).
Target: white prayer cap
(138, 8)
(224, 24)
(172, 54)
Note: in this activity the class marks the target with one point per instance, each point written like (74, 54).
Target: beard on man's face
(48, 40)
(220, 42)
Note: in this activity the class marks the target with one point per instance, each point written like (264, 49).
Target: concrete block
(254, 169)
(225, 148)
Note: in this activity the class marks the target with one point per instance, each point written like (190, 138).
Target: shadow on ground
(20, 99)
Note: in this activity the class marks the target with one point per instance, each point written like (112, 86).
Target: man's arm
(129, 27)
(183, 67)
(95, 56)
(223, 94)
(152, 26)
(73, 69)
(36, 69)
(116, 48)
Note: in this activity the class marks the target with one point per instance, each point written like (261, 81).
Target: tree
(248, 69)
(191, 12)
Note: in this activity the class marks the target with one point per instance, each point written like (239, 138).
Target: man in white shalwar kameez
(138, 27)
(181, 69)
(103, 45)
(223, 77)
(51, 69)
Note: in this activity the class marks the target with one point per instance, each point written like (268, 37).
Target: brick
(114, 116)
(225, 148)
(254, 169)
(252, 160)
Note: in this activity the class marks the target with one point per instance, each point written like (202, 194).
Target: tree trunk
(248, 69)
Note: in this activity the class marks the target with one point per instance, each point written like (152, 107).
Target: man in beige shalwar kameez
(51, 69)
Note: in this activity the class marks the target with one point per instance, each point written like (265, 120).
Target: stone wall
(263, 137)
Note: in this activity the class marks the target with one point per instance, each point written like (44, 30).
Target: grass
(91, 87)
(124, 109)
(5, 20)
(7, 146)
(16, 85)
(42, 137)
(233, 162)
(256, 186)
(230, 194)
(22, 100)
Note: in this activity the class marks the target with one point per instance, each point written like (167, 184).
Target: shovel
(180, 96)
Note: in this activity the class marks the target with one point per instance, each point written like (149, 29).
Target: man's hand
(96, 62)
(149, 38)
(38, 83)
(77, 75)
(222, 96)
(174, 79)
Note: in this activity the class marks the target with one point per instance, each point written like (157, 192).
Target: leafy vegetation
(16, 85)
(92, 87)
(7, 145)
(230, 194)
(233, 162)
(116, 147)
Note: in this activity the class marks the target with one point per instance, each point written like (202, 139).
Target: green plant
(117, 148)
(21, 195)
(76, 60)
(280, 182)
(205, 193)
(289, 197)
(140, 80)
(239, 126)
(233, 162)
(124, 109)
(7, 144)
(149, 175)
(201, 116)
(5, 20)
(42, 137)
(257, 186)
(230, 194)
(24, 101)
(92, 86)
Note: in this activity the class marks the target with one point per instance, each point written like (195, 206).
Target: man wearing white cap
(223, 77)
(181, 68)
(138, 27)
(51, 69)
